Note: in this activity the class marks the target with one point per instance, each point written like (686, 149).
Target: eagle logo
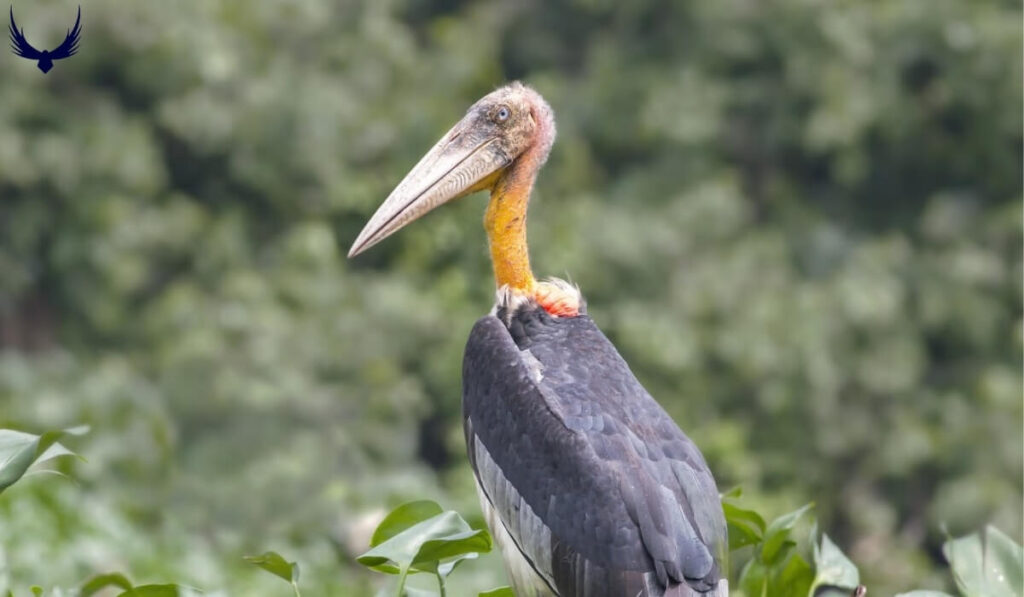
(21, 47)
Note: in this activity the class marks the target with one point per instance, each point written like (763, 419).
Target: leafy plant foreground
(420, 537)
(798, 221)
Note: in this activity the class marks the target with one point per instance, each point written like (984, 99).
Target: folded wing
(599, 489)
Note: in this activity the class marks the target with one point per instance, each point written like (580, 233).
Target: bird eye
(502, 114)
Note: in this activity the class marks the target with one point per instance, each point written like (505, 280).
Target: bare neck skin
(505, 223)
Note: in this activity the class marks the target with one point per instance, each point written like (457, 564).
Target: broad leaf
(966, 557)
(445, 568)
(732, 494)
(753, 579)
(102, 581)
(986, 566)
(402, 518)
(499, 592)
(833, 568)
(20, 450)
(776, 536)
(468, 543)
(275, 564)
(774, 571)
(793, 580)
(1004, 560)
(434, 545)
(746, 527)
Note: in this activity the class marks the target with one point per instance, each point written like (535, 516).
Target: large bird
(588, 486)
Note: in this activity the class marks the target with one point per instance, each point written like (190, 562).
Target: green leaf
(776, 536)
(403, 517)
(924, 593)
(102, 581)
(468, 543)
(732, 494)
(793, 580)
(832, 567)
(499, 592)
(20, 450)
(753, 579)
(445, 568)
(966, 557)
(746, 527)
(986, 566)
(36, 590)
(741, 536)
(1004, 561)
(434, 545)
(274, 563)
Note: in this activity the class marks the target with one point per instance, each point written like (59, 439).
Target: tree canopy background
(799, 221)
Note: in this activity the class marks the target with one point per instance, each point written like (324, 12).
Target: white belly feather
(527, 528)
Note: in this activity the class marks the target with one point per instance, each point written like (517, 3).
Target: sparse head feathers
(530, 124)
(499, 145)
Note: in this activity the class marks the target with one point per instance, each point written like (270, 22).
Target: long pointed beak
(462, 162)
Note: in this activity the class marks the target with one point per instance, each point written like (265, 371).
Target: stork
(588, 486)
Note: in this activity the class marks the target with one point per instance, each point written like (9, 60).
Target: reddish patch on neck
(557, 301)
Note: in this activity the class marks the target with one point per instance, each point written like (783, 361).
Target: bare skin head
(499, 145)
(506, 134)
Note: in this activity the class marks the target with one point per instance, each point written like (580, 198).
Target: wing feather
(629, 501)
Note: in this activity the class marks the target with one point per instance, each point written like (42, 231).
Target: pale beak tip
(356, 249)
(363, 243)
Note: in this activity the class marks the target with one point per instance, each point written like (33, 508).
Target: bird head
(503, 139)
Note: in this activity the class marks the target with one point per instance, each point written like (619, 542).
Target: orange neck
(505, 222)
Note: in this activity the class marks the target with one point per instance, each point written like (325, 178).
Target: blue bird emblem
(45, 58)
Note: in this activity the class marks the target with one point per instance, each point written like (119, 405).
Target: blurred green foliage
(799, 221)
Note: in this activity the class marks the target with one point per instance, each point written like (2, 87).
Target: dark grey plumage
(598, 488)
